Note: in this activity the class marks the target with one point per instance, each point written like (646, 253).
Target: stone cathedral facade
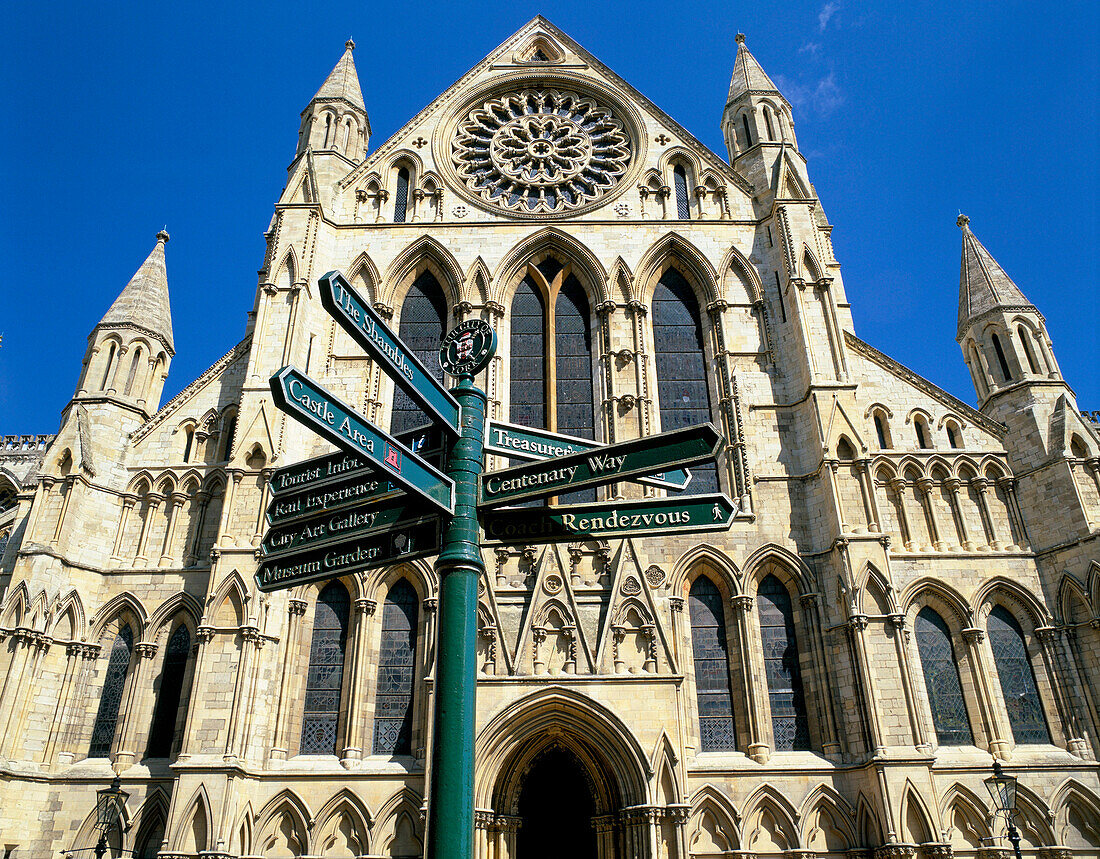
(910, 589)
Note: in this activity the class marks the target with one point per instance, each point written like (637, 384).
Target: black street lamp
(108, 810)
(1003, 790)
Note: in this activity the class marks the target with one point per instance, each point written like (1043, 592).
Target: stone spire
(342, 84)
(143, 304)
(983, 284)
(748, 76)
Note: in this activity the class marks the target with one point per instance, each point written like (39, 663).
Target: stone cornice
(886, 362)
(174, 404)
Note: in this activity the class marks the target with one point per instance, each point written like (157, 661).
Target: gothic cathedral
(910, 589)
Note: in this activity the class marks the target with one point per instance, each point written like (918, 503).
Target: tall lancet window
(401, 198)
(325, 677)
(423, 321)
(110, 699)
(551, 356)
(162, 731)
(941, 679)
(712, 668)
(680, 186)
(1021, 694)
(393, 700)
(788, 706)
(681, 366)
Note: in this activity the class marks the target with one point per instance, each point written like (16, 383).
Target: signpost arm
(459, 567)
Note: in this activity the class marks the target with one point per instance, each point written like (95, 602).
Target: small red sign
(393, 458)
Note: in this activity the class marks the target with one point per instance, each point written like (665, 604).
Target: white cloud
(822, 97)
(811, 48)
(826, 13)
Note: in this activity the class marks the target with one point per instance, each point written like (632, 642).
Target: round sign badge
(467, 348)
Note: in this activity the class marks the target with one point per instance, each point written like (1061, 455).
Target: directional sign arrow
(426, 441)
(520, 442)
(713, 512)
(370, 331)
(336, 525)
(640, 456)
(363, 553)
(310, 404)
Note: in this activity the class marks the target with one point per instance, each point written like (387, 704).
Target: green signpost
(681, 515)
(604, 465)
(306, 401)
(526, 443)
(380, 500)
(370, 331)
(391, 546)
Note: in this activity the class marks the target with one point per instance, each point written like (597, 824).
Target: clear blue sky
(121, 118)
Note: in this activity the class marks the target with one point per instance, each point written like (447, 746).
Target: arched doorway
(556, 808)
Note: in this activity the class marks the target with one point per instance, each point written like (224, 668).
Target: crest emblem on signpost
(467, 348)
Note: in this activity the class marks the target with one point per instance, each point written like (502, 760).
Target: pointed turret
(130, 348)
(756, 111)
(983, 284)
(335, 120)
(144, 302)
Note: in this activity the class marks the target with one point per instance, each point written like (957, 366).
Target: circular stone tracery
(541, 151)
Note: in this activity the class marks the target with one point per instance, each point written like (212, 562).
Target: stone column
(296, 609)
(953, 484)
(898, 485)
(128, 502)
(857, 630)
(1008, 484)
(152, 504)
(265, 497)
(354, 736)
(112, 385)
(811, 613)
(867, 490)
(13, 697)
(203, 637)
(176, 501)
(138, 685)
(73, 652)
(194, 537)
(925, 485)
(759, 748)
(68, 487)
(224, 537)
(982, 485)
(900, 634)
(250, 642)
(830, 467)
(999, 747)
(1049, 639)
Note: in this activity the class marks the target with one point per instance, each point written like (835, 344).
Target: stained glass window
(110, 699)
(527, 356)
(325, 679)
(1025, 713)
(680, 182)
(712, 671)
(401, 198)
(573, 357)
(393, 698)
(423, 320)
(789, 725)
(162, 731)
(941, 679)
(681, 366)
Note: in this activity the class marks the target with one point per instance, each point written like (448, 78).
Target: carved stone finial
(962, 220)
(162, 235)
(350, 45)
(740, 38)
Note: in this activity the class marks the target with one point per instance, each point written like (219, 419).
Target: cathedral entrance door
(556, 808)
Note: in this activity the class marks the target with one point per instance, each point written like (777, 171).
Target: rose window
(541, 151)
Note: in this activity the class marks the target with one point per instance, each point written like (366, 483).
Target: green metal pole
(459, 567)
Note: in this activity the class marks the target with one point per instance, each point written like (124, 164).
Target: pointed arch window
(325, 678)
(135, 365)
(393, 700)
(107, 369)
(681, 366)
(163, 728)
(921, 429)
(748, 134)
(788, 707)
(680, 186)
(1025, 341)
(188, 442)
(880, 432)
(941, 679)
(110, 699)
(423, 323)
(712, 669)
(1021, 694)
(1002, 361)
(768, 123)
(550, 363)
(401, 198)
